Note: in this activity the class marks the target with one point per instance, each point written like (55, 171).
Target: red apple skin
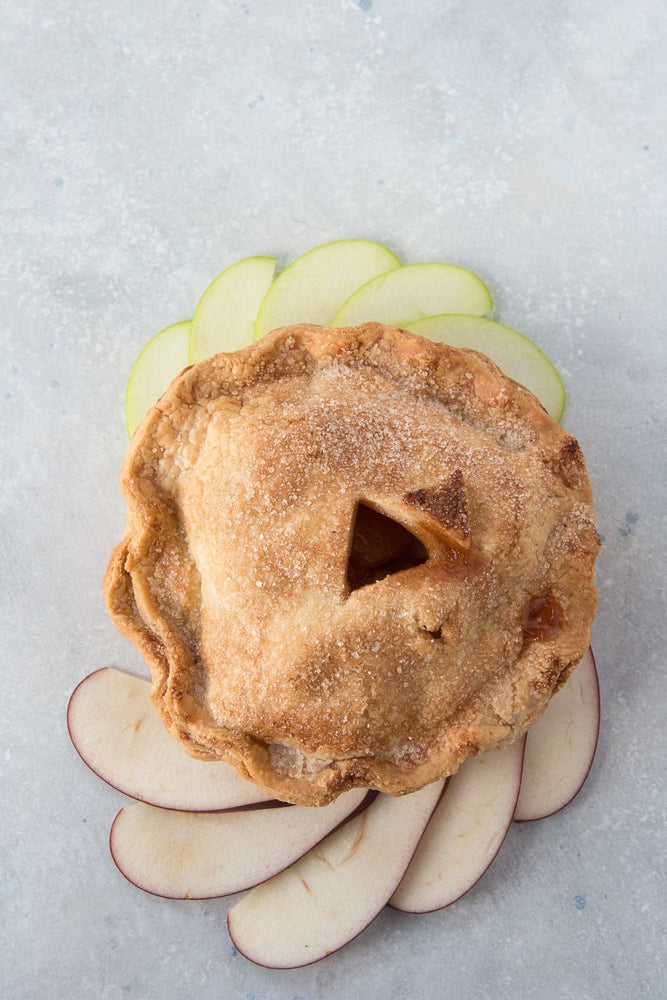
(595, 679)
(118, 786)
(72, 736)
(304, 965)
(484, 870)
(364, 804)
(368, 799)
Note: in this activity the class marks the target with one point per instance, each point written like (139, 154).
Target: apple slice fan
(315, 877)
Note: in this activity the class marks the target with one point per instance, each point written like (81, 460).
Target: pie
(352, 557)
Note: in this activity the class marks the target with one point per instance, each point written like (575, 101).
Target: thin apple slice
(326, 899)
(202, 855)
(413, 292)
(224, 319)
(162, 359)
(315, 285)
(560, 747)
(118, 733)
(464, 833)
(517, 356)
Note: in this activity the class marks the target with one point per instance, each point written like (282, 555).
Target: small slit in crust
(380, 546)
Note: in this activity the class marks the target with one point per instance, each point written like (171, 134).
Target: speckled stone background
(147, 145)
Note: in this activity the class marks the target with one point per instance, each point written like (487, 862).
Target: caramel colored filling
(543, 618)
(380, 546)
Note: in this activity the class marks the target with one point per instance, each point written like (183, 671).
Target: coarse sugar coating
(352, 557)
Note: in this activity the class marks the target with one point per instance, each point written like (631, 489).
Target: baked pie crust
(352, 557)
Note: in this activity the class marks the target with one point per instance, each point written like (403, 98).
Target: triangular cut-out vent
(380, 546)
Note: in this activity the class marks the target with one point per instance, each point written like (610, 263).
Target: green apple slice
(316, 284)
(224, 319)
(412, 292)
(517, 356)
(162, 359)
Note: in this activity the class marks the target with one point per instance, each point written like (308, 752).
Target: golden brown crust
(311, 675)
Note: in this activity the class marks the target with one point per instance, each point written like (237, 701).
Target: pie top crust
(315, 655)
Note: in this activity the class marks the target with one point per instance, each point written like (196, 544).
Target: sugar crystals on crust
(352, 557)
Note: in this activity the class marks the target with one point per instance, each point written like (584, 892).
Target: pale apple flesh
(465, 832)
(342, 283)
(413, 292)
(560, 747)
(204, 855)
(517, 356)
(224, 319)
(337, 889)
(118, 733)
(314, 286)
(158, 364)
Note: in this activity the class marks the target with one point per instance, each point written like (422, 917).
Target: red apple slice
(118, 733)
(465, 832)
(326, 899)
(561, 745)
(202, 855)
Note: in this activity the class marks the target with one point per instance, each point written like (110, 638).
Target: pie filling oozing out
(352, 557)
